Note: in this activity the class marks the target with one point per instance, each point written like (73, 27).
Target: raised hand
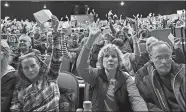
(55, 23)
(94, 34)
(135, 38)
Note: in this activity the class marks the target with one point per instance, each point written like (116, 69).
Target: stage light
(122, 3)
(6, 4)
(44, 6)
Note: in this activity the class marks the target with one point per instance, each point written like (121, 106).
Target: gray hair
(107, 48)
(149, 41)
(5, 47)
(158, 43)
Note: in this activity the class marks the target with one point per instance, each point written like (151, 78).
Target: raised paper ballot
(42, 16)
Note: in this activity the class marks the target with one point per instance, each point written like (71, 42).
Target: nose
(163, 60)
(30, 69)
(110, 58)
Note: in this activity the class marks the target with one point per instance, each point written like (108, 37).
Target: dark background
(25, 9)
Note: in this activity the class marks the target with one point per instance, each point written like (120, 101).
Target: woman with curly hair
(114, 90)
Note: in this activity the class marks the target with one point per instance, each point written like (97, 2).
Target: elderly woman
(114, 90)
(37, 89)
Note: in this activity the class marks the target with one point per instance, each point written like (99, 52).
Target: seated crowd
(121, 76)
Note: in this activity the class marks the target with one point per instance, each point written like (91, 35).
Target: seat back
(68, 80)
(65, 65)
(142, 47)
(86, 92)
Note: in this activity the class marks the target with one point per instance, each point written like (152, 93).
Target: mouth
(111, 64)
(32, 74)
(164, 67)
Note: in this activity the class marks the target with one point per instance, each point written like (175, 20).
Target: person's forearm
(137, 52)
(56, 57)
(137, 102)
(83, 66)
(112, 28)
(64, 48)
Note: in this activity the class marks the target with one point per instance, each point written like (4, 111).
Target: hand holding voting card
(171, 38)
(42, 16)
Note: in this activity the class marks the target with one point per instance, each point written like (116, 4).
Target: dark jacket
(150, 89)
(126, 94)
(8, 82)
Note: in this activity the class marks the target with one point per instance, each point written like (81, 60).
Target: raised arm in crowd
(37, 89)
(108, 80)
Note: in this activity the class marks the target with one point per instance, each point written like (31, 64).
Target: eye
(158, 57)
(114, 56)
(33, 65)
(106, 55)
(25, 68)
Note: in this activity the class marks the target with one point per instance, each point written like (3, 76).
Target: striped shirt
(69, 55)
(43, 94)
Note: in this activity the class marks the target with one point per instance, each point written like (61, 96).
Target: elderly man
(8, 77)
(161, 82)
(25, 47)
(145, 55)
(177, 54)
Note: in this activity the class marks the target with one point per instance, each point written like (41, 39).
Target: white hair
(149, 41)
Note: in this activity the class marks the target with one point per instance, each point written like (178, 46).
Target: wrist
(87, 46)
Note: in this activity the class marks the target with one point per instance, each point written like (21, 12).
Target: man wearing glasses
(161, 82)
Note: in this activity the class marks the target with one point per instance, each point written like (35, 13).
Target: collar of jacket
(120, 77)
(175, 69)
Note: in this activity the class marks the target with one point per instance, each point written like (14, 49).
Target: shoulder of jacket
(142, 72)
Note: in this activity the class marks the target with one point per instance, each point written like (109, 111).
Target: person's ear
(150, 57)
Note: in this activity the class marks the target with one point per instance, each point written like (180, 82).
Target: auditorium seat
(86, 92)
(68, 80)
(65, 65)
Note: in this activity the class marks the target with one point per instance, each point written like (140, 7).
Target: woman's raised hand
(55, 23)
(94, 34)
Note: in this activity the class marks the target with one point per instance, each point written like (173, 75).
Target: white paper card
(171, 38)
(42, 16)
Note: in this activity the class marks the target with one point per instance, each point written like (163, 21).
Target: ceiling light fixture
(122, 3)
